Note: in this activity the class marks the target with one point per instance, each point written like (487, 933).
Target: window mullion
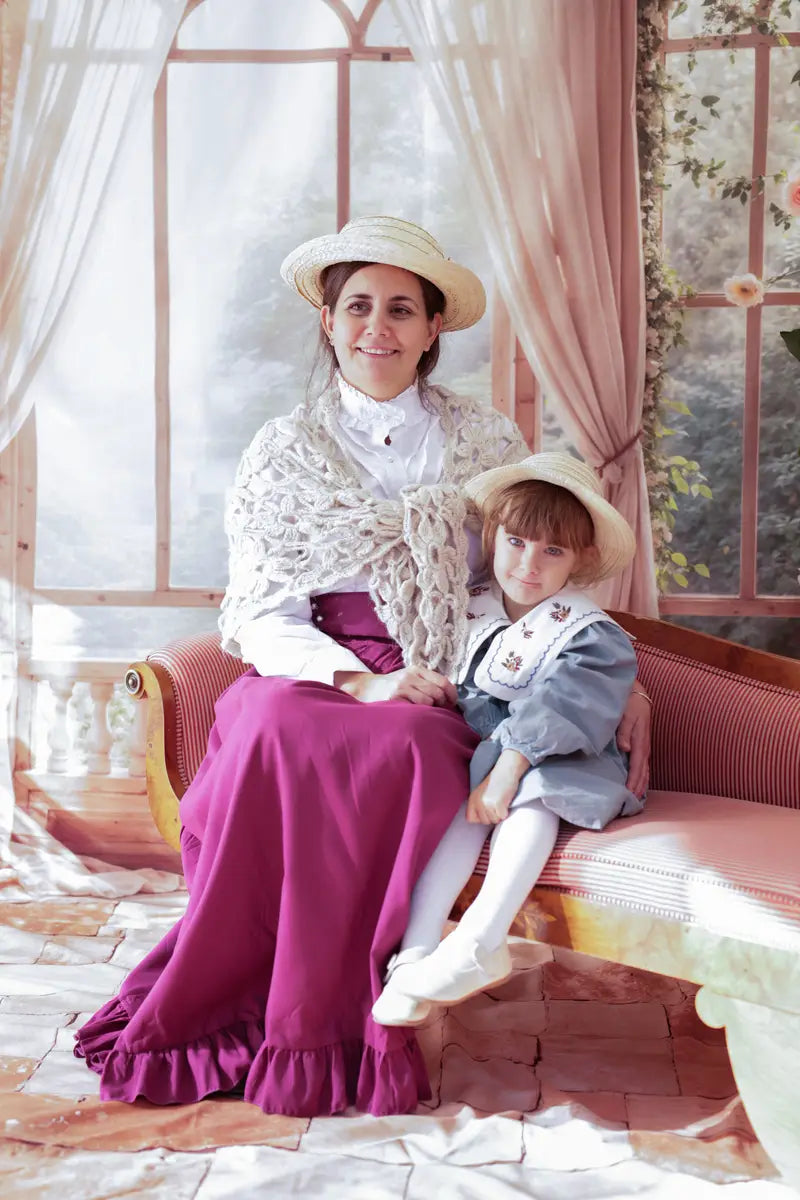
(162, 413)
(752, 373)
(342, 140)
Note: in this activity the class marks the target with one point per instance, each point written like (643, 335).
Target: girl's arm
(577, 708)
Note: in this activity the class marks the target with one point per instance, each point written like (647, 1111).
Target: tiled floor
(576, 1079)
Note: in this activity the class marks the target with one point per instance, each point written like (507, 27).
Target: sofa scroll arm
(150, 683)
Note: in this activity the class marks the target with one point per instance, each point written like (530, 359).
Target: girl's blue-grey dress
(553, 686)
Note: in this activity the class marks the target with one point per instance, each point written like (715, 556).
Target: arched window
(272, 123)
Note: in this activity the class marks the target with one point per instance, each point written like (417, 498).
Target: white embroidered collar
(359, 411)
(522, 652)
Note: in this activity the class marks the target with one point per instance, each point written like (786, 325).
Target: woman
(315, 809)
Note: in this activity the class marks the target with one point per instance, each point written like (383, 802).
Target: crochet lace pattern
(299, 520)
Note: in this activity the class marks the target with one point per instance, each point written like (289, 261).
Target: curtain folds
(88, 69)
(539, 100)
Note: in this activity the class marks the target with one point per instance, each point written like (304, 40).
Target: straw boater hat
(399, 244)
(613, 536)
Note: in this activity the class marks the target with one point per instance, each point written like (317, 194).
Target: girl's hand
(633, 737)
(488, 808)
(418, 685)
(490, 801)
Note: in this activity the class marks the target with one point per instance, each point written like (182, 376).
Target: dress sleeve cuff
(321, 665)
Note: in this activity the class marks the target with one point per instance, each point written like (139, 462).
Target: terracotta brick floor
(575, 1079)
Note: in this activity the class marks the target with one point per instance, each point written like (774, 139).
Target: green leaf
(791, 338)
(705, 490)
(709, 101)
(680, 483)
(679, 559)
(703, 570)
(678, 460)
(680, 579)
(678, 406)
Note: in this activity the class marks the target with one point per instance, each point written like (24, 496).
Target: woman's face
(380, 329)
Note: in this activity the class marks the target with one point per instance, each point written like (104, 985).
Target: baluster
(57, 736)
(137, 740)
(99, 739)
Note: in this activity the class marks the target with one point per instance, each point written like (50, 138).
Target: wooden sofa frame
(761, 1018)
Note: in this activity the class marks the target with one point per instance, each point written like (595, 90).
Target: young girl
(544, 680)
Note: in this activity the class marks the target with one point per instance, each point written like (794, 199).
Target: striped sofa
(704, 885)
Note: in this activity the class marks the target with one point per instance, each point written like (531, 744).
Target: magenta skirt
(304, 831)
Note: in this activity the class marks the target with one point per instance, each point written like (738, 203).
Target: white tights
(521, 845)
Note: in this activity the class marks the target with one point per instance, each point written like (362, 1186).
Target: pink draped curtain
(539, 99)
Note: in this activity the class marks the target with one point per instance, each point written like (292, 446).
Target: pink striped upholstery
(200, 672)
(728, 865)
(720, 733)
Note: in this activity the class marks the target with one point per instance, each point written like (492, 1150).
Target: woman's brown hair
(333, 279)
(534, 509)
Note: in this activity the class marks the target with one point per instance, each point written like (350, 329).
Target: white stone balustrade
(92, 726)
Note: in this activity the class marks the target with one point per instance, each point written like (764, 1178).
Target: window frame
(515, 390)
(749, 601)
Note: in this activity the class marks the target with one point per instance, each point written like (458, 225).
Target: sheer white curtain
(539, 99)
(87, 71)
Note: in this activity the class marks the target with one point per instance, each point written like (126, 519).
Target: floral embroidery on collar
(560, 612)
(512, 662)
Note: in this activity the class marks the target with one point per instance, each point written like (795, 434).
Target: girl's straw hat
(399, 244)
(613, 536)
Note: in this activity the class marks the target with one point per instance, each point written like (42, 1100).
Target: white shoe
(458, 967)
(394, 1007)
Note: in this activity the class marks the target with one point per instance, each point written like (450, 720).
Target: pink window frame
(749, 601)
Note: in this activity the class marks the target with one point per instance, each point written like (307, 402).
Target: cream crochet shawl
(300, 520)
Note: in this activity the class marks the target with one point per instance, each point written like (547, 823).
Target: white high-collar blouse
(286, 641)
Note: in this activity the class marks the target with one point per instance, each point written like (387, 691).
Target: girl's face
(530, 571)
(380, 330)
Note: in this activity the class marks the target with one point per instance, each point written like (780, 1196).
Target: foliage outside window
(696, 140)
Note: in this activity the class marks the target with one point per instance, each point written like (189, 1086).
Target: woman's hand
(633, 737)
(418, 685)
(490, 801)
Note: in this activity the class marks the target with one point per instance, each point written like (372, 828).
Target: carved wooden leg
(764, 1048)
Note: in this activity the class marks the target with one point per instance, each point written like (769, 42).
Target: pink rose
(744, 290)
(791, 193)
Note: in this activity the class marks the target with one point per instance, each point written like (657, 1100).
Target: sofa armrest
(181, 684)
